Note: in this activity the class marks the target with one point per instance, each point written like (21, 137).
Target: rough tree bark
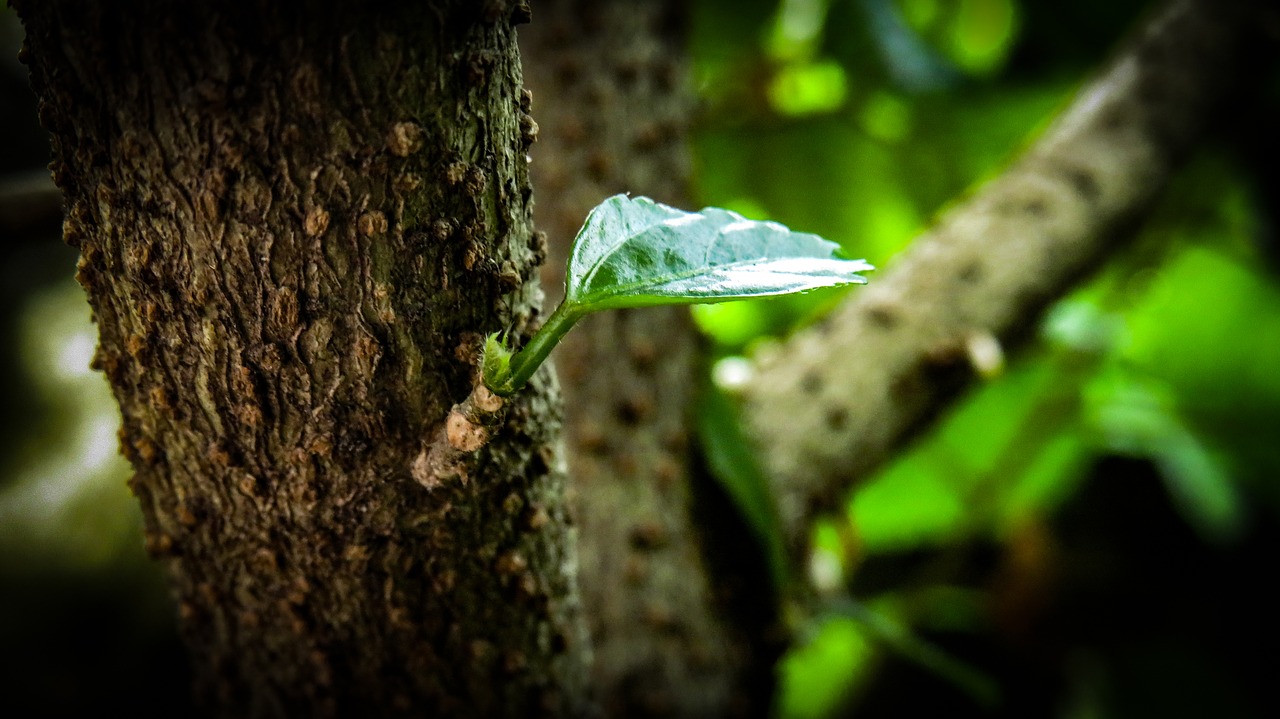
(295, 222)
(834, 402)
(672, 636)
(294, 227)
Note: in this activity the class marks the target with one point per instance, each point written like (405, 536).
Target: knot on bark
(468, 428)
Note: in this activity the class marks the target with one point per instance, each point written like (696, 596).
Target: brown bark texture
(834, 402)
(613, 104)
(295, 222)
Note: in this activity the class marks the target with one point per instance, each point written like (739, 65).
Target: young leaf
(634, 252)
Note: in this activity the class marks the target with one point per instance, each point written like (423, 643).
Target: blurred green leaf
(886, 117)
(906, 506)
(796, 28)
(898, 638)
(1008, 449)
(817, 676)
(1227, 326)
(808, 88)
(733, 464)
(734, 324)
(981, 33)
(1139, 418)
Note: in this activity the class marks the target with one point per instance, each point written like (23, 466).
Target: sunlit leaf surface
(634, 252)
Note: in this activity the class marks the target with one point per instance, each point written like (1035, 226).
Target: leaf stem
(525, 362)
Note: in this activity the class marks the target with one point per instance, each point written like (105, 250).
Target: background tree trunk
(295, 225)
(675, 631)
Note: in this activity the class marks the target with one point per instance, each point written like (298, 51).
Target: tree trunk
(296, 223)
(672, 635)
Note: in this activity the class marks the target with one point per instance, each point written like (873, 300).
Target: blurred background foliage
(86, 624)
(1087, 534)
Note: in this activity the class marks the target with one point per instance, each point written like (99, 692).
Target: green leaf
(634, 252)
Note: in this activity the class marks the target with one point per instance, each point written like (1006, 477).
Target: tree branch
(835, 401)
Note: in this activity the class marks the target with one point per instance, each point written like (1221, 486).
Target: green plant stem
(525, 362)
